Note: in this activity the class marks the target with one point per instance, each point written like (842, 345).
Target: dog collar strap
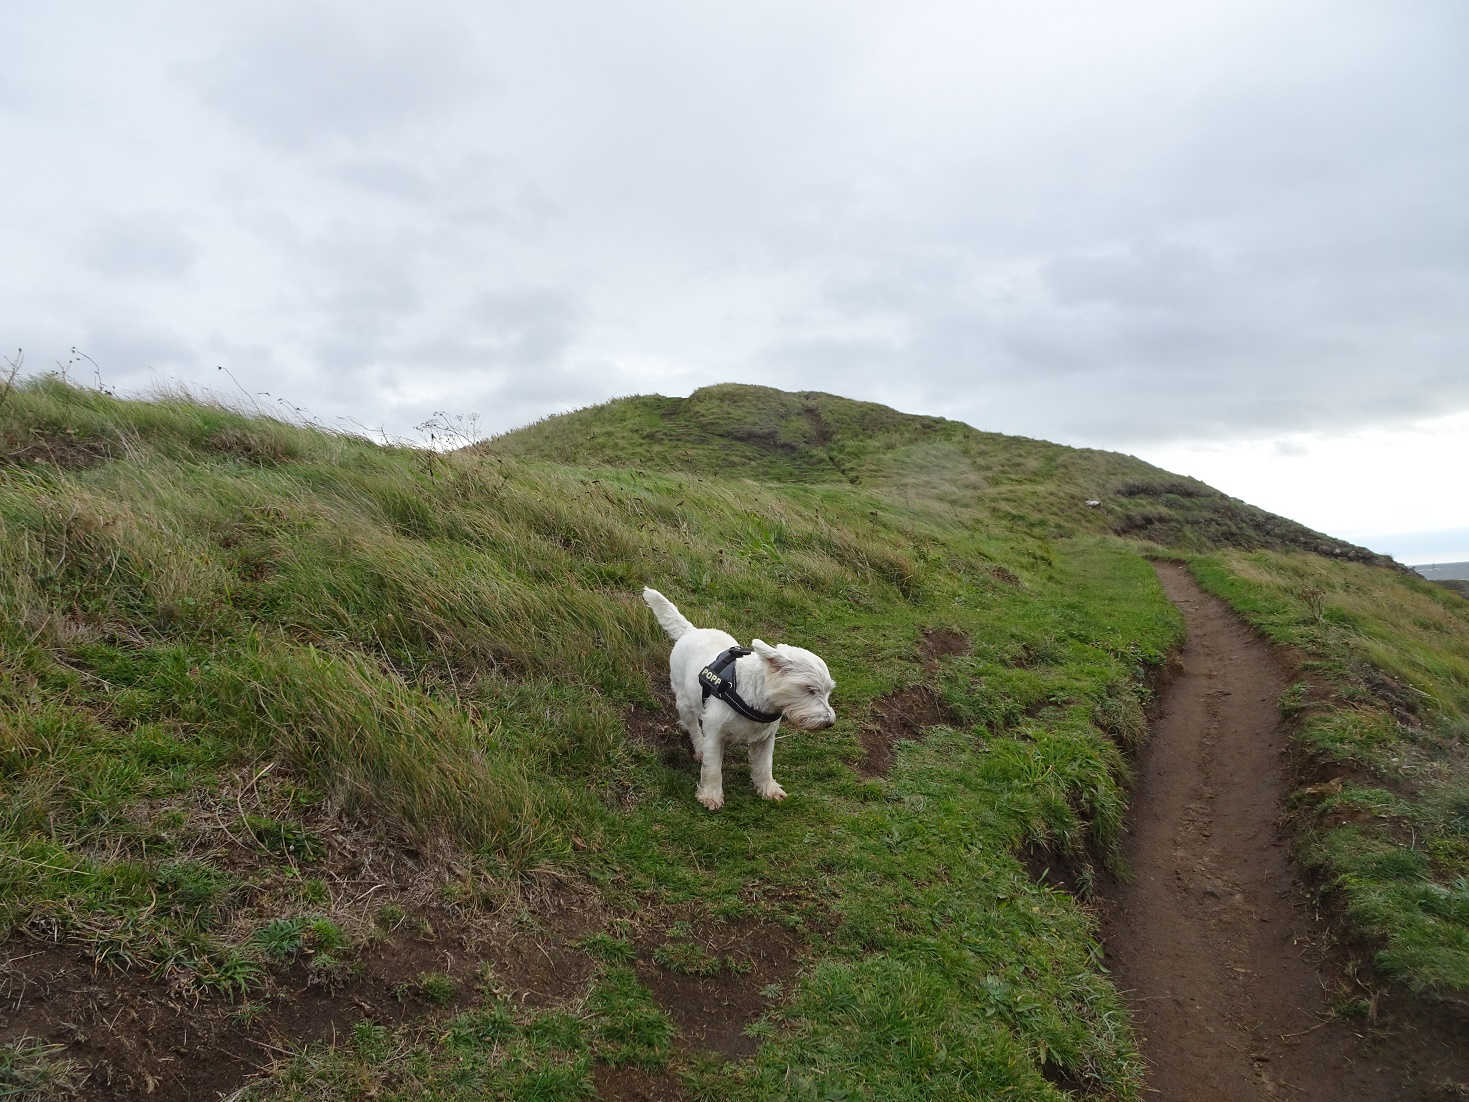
(718, 679)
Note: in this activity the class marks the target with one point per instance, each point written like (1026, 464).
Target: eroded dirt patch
(1004, 574)
(66, 450)
(1212, 940)
(906, 714)
(1047, 866)
(635, 1085)
(899, 716)
(142, 1038)
(717, 978)
(939, 643)
(659, 731)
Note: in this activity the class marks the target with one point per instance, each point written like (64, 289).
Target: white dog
(739, 697)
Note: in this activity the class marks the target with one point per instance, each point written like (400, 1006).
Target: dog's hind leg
(688, 718)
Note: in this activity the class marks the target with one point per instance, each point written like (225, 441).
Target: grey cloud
(130, 355)
(362, 280)
(525, 327)
(1212, 379)
(553, 388)
(144, 246)
(464, 381)
(499, 353)
(1154, 345)
(470, 194)
(13, 96)
(894, 280)
(831, 356)
(838, 365)
(393, 179)
(1186, 222)
(1441, 545)
(370, 301)
(1144, 276)
(304, 81)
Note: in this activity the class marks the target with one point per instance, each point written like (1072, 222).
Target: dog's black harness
(718, 679)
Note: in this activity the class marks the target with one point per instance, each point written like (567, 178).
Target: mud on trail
(1211, 940)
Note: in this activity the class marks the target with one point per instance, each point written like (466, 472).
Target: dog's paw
(773, 791)
(712, 800)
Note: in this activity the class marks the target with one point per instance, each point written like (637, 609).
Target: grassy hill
(289, 719)
(755, 432)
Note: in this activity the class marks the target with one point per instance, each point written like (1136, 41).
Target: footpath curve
(1209, 938)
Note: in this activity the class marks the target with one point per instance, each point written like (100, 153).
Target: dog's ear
(770, 654)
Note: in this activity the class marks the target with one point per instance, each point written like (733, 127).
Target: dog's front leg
(710, 792)
(762, 761)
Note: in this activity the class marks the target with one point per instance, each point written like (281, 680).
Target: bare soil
(635, 1085)
(711, 1011)
(1213, 940)
(142, 1038)
(904, 715)
(939, 643)
(66, 450)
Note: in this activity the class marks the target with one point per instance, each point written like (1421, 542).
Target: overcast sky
(1230, 238)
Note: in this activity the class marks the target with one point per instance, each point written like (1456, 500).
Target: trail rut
(1209, 939)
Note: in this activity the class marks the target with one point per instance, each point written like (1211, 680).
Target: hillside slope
(736, 430)
(305, 738)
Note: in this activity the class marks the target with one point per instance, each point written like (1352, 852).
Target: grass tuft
(32, 1071)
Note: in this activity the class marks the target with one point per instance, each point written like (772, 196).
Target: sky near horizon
(1231, 239)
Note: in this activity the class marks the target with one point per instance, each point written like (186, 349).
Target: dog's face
(797, 682)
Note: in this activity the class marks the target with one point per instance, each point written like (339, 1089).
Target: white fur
(782, 679)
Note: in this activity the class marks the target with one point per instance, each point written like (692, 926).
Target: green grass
(487, 1052)
(31, 1071)
(435, 987)
(234, 649)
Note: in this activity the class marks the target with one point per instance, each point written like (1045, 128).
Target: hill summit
(756, 432)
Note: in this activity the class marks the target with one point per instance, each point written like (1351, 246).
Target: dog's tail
(671, 618)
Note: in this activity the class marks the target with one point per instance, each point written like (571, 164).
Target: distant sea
(1443, 571)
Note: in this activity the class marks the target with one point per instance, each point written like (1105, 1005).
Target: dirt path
(1208, 939)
